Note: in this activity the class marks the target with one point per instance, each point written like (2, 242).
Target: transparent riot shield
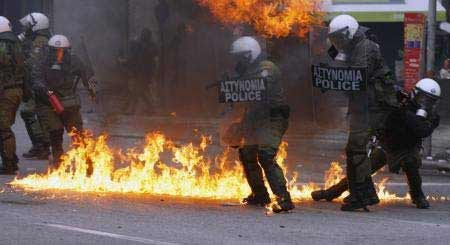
(250, 95)
(339, 82)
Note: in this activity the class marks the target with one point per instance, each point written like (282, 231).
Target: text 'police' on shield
(339, 78)
(246, 90)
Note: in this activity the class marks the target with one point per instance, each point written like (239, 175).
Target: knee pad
(267, 154)
(267, 157)
(248, 154)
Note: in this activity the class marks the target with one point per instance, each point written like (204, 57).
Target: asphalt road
(87, 218)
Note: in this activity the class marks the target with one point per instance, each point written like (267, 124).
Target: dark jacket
(405, 130)
(12, 67)
(62, 82)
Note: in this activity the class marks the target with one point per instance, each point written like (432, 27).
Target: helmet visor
(425, 101)
(340, 38)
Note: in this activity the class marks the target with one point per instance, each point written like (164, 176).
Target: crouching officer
(34, 38)
(56, 75)
(263, 125)
(12, 72)
(399, 146)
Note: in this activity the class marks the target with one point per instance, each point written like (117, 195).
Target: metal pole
(431, 41)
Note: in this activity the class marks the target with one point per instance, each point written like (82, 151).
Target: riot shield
(339, 82)
(248, 101)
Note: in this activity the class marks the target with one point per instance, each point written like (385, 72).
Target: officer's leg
(275, 177)
(72, 120)
(35, 132)
(248, 155)
(411, 165)
(52, 123)
(378, 161)
(361, 186)
(331, 193)
(73, 123)
(9, 104)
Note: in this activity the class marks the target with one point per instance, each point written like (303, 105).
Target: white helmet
(429, 86)
(426, 96)
(35, 21)
(247, 45)
(341, 31)
(59, 41)
(5, 25)
(344, 22)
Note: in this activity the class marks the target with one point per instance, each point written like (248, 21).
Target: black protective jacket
(405, 130)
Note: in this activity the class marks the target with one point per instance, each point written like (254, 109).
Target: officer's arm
(5, 57)
(86, 75)
(81, 70)
(420, 126)
(37, 77)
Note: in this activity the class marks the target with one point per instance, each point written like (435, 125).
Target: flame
(274, 18)
(162, 167)
(189, 173)
(333, 175)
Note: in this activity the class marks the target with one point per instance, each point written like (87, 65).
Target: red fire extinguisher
(55, 102)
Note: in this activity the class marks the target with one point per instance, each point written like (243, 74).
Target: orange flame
(274, 18)
(90, 166)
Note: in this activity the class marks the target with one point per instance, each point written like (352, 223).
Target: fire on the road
(90, 166)
(276, 18)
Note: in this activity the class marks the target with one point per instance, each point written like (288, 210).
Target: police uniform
(62, 80)
(12, 72)
(399, 147)
(367, 112)
(33, 46)
(263, 126)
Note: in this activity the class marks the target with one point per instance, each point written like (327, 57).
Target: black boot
(44, 152)
(32, 153)
(331, 193)
(284, 204)
(421, 202)
(361, 196)
(257, 200)
(415, 189)
(39, 152)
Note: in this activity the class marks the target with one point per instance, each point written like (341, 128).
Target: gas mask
(58, 55)
(341, 40)
(27, 27)
(242, 61)
(425, 102)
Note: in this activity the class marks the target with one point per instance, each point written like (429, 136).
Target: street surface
(62, 217)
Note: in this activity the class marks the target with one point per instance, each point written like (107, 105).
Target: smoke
(192, 52)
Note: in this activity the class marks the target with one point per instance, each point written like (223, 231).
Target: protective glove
(435, 120)
(92, 87)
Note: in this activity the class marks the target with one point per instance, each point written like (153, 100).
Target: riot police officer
(367, 109)
(401, 140)
(56, 72)
(34, 38)
(263, 125)
(12, 70)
